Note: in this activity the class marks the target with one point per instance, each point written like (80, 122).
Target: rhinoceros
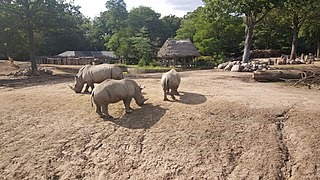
(112, 91)
(90, 74)
(170, 81)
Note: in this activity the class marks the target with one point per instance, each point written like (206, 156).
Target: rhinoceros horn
(71, 87)
(142, 87)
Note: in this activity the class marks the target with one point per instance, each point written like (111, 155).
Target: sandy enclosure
(223, 126)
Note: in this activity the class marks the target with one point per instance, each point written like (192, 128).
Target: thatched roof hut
(178, 52)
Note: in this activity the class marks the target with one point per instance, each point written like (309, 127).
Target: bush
(208, 61)
(142, 62)
(154, 63)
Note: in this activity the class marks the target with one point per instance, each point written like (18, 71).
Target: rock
(235, 68)
(229, 66)
(222, 65)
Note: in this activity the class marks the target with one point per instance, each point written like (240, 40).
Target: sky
(92, 8)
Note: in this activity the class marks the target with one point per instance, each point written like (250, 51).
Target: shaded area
(30, 81)
(142, 118)
(68, 70)
(191, 98)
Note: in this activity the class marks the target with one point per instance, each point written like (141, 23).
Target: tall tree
(35, 16)
(273, 32)
(170, 24)
(218, 35)
(300, 11)
(253, 12)
(115, 15)
(311, 32)
(187, 28)
(142, 46)
(145, 17)
(113, 23)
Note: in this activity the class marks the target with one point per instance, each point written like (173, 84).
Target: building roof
(177, 48)
(95, 54)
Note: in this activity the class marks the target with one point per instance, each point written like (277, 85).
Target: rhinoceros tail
(166, 84)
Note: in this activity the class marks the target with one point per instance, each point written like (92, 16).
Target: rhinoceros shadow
(191, 98)
(141, 118)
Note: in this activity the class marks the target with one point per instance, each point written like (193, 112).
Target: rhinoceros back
(99, 73)
(171, 79)
(112, 91)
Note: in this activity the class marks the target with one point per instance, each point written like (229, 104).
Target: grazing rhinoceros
(90, 74)
(170, 81)
(112, 91)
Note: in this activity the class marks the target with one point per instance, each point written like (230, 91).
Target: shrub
(208, 61)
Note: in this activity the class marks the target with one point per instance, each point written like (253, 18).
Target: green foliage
(41, 27)
(188, 25)
(142, 47)
(144, 17)
(212, 34)
(218, 35)
(170, 24)
(209, 61)
(253, 12)
(273, 32)
(154, 63)
(115, 15)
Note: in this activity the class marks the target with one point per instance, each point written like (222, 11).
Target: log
(277, 75)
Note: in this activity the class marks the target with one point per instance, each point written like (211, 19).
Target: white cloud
(185, 5)
(92, 8)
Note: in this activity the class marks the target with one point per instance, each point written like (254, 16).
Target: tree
(253, 12)
(170, 24)
(212, 35)
(311, 32)
(36, 16)
(218, 35)
(300, 11)
(273, 32)
(142, 46)
(113, 24)
(145, 17)
(115, 15)
(188, 27)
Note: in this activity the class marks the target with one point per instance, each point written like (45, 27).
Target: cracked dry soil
(223, 126)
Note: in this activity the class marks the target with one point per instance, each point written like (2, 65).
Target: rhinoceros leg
(98, 111)
(175, 91)
(126, 103)
(105, 112)
(87, 88)
(165, 95)
(172, 96)
(89, 84)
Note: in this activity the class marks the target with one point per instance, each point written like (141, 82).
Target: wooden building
(79, 58)
(177, 53)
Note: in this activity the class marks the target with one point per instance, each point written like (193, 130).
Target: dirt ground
(223, 126)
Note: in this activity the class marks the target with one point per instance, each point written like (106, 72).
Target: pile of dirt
(28, 72)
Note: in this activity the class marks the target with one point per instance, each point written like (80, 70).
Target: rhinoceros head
(78, 85)
(139, 98)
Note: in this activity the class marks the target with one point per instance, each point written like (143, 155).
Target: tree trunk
(295, 37)
(31, 39)
(32, 51)
(276, 75)
(318, 48)
(248, 40)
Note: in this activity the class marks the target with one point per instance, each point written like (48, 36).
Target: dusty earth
(223, 126)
